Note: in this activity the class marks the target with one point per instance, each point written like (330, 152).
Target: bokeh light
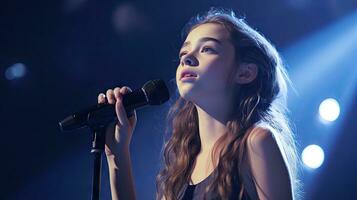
(313, 156)
(18, 70)
(329, 109)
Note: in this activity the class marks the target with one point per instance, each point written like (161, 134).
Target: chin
(188, 94)
(185, 93)
(189, 90)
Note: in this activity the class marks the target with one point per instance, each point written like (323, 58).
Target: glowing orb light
(329, 109)
(313, 156)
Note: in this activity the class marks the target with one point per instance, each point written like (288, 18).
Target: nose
(189, 60)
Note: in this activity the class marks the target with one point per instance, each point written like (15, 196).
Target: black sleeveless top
(196, 192)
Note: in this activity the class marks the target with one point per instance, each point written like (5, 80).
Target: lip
(186, 71)
(187, 79)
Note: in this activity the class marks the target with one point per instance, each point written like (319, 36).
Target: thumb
(121, 112)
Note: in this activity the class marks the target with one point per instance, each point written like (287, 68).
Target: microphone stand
(97, 151)
(98, 125)
(97, 118)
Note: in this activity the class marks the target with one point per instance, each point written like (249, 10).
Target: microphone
(154, 92)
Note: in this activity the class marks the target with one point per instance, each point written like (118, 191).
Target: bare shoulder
(260, 140)
(266, 166)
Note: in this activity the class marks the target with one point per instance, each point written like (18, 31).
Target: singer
(230, 137)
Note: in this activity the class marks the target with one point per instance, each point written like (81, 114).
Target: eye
(208, 50)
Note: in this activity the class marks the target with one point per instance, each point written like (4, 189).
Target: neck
(212, 120)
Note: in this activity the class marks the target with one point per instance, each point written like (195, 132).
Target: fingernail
(117, 95)
(122, 90)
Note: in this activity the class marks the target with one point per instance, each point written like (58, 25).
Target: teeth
(189, 75)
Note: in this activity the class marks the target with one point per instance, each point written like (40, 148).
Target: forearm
(121, 177)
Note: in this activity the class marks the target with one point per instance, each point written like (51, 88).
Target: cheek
(178, 72)
(217, 70)
(216, 77)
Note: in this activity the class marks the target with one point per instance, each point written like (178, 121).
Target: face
(206, 61)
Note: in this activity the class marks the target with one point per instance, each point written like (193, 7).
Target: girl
(230, 138)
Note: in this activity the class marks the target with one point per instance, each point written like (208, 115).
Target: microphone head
(156, 91)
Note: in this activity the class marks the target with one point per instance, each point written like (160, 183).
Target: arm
(121, 177)
(117, 142)
(267, 166)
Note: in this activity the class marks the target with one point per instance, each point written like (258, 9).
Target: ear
(246, 73)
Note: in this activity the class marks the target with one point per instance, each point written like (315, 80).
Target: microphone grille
(156, 91)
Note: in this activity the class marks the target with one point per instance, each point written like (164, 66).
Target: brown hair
(262, 101)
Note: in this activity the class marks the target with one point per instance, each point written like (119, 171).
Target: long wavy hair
(261, 102)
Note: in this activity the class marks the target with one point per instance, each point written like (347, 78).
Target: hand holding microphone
(118, 134)
(112, 122)
(116, 112)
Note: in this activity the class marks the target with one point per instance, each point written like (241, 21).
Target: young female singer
(230, 138)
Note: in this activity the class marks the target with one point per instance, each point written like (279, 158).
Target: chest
(203, 167)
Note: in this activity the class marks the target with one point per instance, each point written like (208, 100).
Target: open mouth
(187, 74)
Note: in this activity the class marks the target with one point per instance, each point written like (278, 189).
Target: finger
(125, 90)
(117, 93)
(121, 113)
(110, 96)
(101, 98)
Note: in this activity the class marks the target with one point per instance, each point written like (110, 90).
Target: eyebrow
(204, 39)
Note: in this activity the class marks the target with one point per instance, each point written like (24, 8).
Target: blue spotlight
(313, 156)
(329, 110)
(18, 70)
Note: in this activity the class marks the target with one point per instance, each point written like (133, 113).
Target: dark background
(75, 49)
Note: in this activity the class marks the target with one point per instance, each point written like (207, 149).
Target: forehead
(213, 30)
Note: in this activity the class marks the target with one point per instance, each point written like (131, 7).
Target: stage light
(322, 65)
(329, 109)
(18, 70)
(128, 19)
(313, 156)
